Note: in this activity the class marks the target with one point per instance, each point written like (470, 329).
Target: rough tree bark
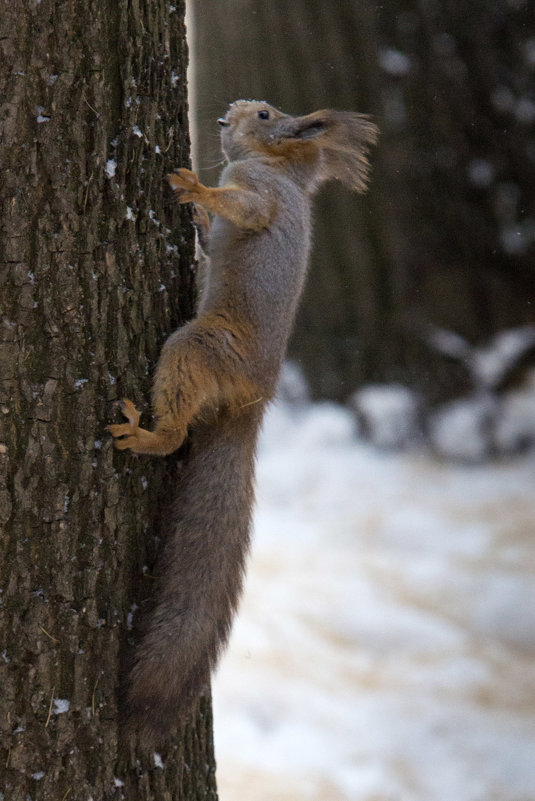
(446, 234)
(95, 263)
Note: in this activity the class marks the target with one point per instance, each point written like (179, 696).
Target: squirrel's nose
(222, 121)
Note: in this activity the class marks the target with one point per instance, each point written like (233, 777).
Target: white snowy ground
(385, 648)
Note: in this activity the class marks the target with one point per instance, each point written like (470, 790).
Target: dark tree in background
(95, 264)
(446, 235)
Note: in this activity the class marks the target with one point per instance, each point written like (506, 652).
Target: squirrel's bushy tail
(201, 570)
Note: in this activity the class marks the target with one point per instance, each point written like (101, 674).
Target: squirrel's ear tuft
(344, 138)
(309, 127)
(345, 148)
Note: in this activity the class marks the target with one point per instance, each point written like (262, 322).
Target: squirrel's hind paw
(128, 431)
(129, 411)
(139, 440)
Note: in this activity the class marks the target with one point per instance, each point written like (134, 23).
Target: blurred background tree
(446, 235)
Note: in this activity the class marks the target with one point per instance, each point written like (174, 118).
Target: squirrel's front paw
(186, 184)
(139, 440)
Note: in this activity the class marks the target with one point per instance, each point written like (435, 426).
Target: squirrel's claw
(186, 184)
(183, 179)
(126, 430)
(129, 411)
(130, 435)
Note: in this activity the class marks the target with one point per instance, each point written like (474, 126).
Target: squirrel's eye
(263, 115)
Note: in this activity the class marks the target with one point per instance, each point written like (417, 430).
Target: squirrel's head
(334, 144)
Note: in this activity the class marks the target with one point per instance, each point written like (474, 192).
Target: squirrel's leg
(197, 373)
(173, 391)
(244, 207)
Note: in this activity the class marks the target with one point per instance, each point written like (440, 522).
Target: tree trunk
(95, 273)
(446, 234)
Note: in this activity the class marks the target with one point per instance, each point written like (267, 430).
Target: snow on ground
(385, 648)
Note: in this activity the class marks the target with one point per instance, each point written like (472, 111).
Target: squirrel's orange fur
(217, 373)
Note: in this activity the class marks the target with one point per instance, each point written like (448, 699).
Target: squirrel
(216, 375)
